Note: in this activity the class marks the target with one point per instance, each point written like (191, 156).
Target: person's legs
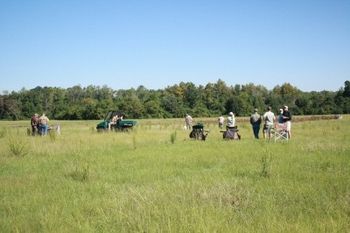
(40, 129)
(269, 131)
(264, 131)
(256, 129)
(33, 130)
(289, 126)
(46, 127)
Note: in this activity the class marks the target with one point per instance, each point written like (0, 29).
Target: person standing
(188, 122)
(43, 124)
(231, 121)
(255, 121)
(113, 122)
(280, 116)
(269, 118)
(287, 118)
(34, 122)
(221, 121)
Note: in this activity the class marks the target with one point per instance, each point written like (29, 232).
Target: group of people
(40, 125)
(231, 121)
(268, 119)
(114, 121)
(283, 121)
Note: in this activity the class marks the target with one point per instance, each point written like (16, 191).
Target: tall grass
(173, 137)
(3, 132)
(139, 182)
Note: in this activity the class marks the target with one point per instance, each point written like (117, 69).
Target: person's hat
(285, 107)
(231, 114)
(281, 110)
(255, 110)
(36, 114)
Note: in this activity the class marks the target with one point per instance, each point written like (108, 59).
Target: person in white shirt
(221, 121)
(269, 118)
(188, 122)
(231, 121)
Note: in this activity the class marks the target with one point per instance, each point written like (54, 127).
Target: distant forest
(213, 99)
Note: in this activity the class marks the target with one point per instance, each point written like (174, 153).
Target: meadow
(156, 179)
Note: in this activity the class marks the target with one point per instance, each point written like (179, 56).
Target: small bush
(17, 147)
(80, 173)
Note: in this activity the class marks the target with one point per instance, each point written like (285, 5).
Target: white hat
(231, 114)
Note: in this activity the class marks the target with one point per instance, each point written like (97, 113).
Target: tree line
(213, 99)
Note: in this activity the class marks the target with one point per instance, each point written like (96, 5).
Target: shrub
(265, 166)
(17, 147)
(80, 173)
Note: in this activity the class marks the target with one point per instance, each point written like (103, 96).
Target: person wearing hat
(231, 121)
(188, 122)
(280, 116)
(255, 121)
(269, 118)
(287, 118)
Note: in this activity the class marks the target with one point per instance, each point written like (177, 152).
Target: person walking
(269, 118)
(255, 121)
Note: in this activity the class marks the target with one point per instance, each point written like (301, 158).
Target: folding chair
(198, 132)
(279, 132)
(231, 133)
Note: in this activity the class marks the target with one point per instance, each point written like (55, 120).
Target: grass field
(155, 179)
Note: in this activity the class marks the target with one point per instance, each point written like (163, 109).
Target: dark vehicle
(198, 132)
(115, 121)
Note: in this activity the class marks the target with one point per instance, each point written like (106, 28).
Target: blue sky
(124, 44)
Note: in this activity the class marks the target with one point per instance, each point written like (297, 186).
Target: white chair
(280, 133)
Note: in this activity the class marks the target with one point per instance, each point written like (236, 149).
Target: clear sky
(128, 43)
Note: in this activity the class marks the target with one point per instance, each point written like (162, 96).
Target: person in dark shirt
(255, 121)
(34, 122)
(280, 116)
(287, 119)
